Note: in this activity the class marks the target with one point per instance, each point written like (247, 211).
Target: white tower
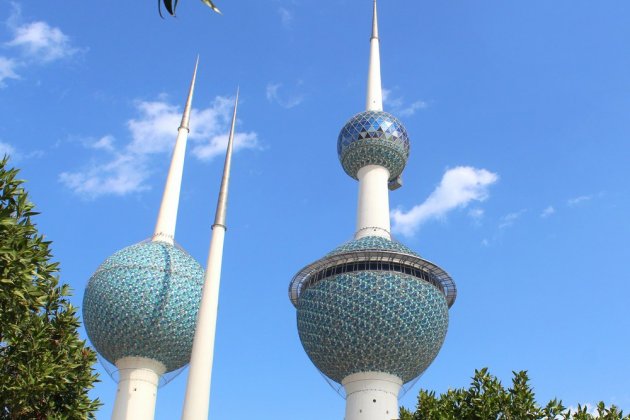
(197, 400)
(140, 305)
(372, 314)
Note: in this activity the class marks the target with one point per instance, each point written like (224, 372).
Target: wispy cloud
(32, 43)
(123, 174)
(104, 143)
(16, 154)
(579, 200)
(547, 212)
(476, 213)
(509, 219)
(153, 131)
(6, 149)
(41, 42)
(284, 100)
(8, 67)
(398, 105)
(286, 17)
(459, 187)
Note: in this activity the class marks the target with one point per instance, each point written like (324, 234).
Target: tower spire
(197, 400)
(167, 217)
(219, 219)
(374, 100)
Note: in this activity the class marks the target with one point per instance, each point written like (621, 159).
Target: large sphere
(373, 138)
(372, 321)
(143, 301)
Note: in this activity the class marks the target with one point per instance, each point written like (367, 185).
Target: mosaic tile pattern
(373, 138)
(372, 321)
(372, 243)
(143, 301)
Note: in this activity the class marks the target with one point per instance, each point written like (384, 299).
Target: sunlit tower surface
(372, 314)
(140, 306)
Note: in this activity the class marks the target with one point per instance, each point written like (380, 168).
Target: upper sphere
(373, 138)
(143, 302)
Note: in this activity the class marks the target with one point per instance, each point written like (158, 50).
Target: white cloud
(286, 17)
(217, 145)
(42, 42)
(273, 95)
(398, 106)
(104, 143)
(153, 133)
(8, 67)
(6, 149)
(510, 218)
(124, 174)
(547, 212)
(35, 42)
(476, 214)
(459, 187)
(16, 154)
(590, 409)
(579, 200)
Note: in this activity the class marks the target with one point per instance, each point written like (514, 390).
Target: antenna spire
(167, 217)
(197, 400)
(219, 219)
(374, 100)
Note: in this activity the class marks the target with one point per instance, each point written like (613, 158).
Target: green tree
(487, 399)
(45, 368)
(171, 6)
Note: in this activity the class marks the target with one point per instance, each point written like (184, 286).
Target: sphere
(372, 321)
(143, 302)
(373, 138)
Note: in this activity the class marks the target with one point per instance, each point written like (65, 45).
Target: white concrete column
(373, 205)
(196, 402)
(137, 388)
(371, 396)
(167, 217)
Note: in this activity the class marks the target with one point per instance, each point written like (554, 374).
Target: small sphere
(372, 321)
(143, 302)
(373, 138)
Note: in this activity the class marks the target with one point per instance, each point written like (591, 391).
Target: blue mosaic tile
(143, 301)
(372, 321)
(372, 243)
(373, 138)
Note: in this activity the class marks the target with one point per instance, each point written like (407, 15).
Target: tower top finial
(374, 100)
(187, 108)
(374, 22)
(219, 218)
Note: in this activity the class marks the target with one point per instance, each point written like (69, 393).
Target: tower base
(371, 396)
(137, 388)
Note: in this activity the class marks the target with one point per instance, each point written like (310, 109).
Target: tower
(372, 314)
(197, 400)
(140, 306)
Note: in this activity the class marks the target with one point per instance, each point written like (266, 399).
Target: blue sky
(517, 184)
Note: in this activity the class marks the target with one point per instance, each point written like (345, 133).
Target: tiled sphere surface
(373, 138)
(372, 321)
(372, 243)
(143, 301)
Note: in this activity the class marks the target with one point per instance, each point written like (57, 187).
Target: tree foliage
(487, 399)
(171, 6)
(45, 368)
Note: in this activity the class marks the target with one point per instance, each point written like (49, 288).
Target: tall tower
(140, 306)
(197, 400)
(372, 314)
